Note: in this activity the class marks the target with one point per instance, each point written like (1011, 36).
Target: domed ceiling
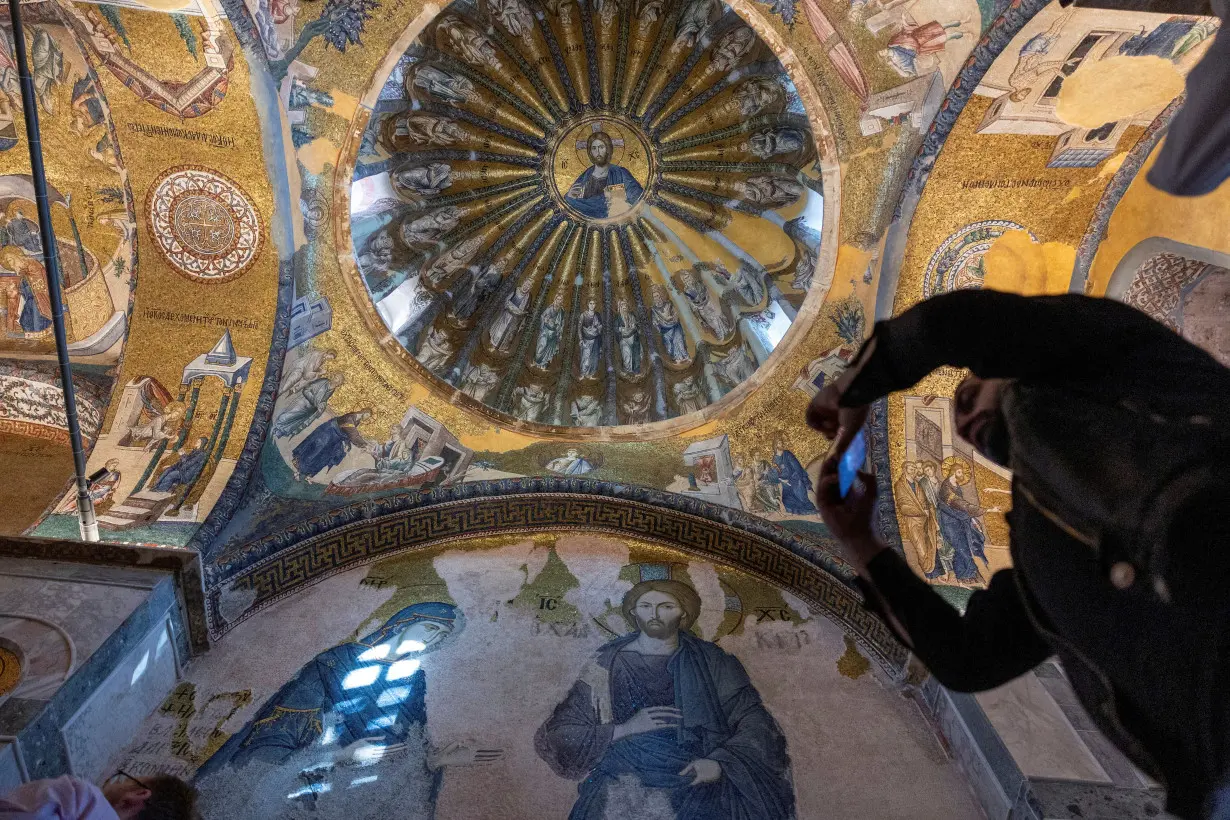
(586, 217)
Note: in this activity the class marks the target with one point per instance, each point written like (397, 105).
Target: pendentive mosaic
(588, 217)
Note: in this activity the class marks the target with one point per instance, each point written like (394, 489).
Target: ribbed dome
(588, 215)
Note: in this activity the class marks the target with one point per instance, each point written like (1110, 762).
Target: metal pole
(51, 260)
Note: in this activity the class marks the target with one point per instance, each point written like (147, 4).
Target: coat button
(1122, 575)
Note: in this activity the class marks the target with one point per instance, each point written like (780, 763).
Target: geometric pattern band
(363, 542)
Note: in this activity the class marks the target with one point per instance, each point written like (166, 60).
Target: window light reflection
(363, 676)
(376, 652)
(392, 696)
(402, 669)
(319, 788)
(382, 722)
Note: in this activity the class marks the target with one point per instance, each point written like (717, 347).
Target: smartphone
(851, 462)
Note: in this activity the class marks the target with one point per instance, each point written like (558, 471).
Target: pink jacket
(64, 798)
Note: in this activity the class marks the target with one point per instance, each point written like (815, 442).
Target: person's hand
(454, 754)
(826, 416)
(702, 770)
(849, 518)
(649, 719)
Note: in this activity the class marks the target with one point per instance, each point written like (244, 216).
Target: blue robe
(595, 206)
(958, 531)
(23, 233)
(185, 471)
(794, 494)
(324, 447)
(723, 720)
(1160, 42)
(293, 719)
(30, 320)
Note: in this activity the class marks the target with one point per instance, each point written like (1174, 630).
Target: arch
(1125, 271)
(361, 535)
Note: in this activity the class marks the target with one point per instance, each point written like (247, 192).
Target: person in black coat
(1117, 432)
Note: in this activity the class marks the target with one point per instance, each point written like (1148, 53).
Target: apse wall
(477, 710)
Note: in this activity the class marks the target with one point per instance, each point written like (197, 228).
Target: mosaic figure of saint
(375, 261)
(23, 284)
(666, 319)
(307, 406)
(628, 332)
(400, 451)
(774, 141)
(479, 381)
(514, 15)
(589, 333)
(589, 195)
(748, 282)
(451, 260)
(185, 470)
(473, 289)
(550, 328)
(768, 495)
(422, 233)
(307, 368)
(425, 129)
(669, 722)
(102, 490)
(531, 400)
(804, 270)
(425, 180)
(358, 708)
(745, 484)
(441, 84)
(87, 107)
(327, 445)
(736, 368)
(732, 48)
(693, 21)
(688, 396)
(468, 44)
(708, 310)
(648, 12)
(795, 482)
(769, 191)
(917, 514)
(506, 326)
(435, 350)
(586, 411)
(757, 94)
(47, 68)
(570, 463)
(19, 230)
(914, 42)
(635, 408)
(960, 524)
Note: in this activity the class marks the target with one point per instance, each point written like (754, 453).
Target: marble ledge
(84, 558)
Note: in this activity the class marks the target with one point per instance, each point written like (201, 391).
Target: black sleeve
(1195, 158)
(1100, 345)
(992, 643)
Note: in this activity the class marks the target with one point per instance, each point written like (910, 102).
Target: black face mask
(996, 445)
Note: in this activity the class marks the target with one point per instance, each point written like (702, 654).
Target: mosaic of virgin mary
(354, 714)
(591, 194)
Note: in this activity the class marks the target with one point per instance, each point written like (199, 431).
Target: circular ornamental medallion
(204, 224)
(957, 263)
